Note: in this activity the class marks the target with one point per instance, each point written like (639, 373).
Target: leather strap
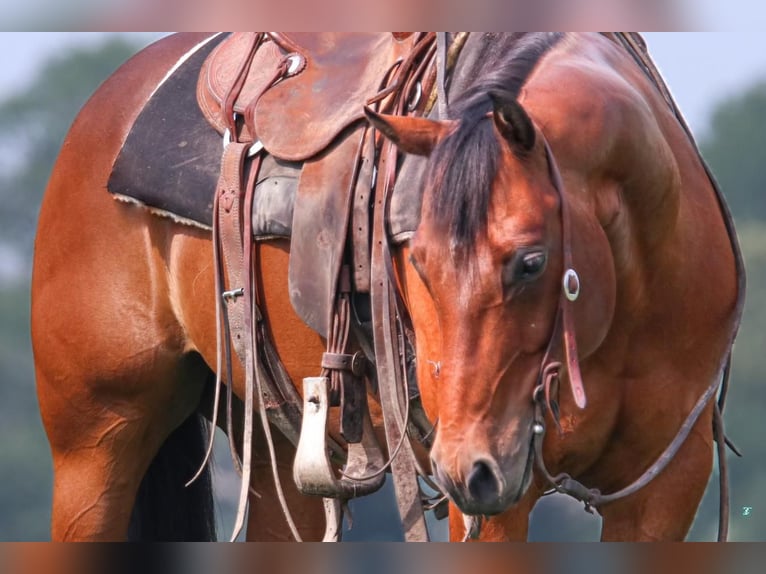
(403, 465)
(360, 216)
(387, 328)
(563, 327)
(388, 336)
(565, 484)
(229, 216)
(239, 81)
(242, 317)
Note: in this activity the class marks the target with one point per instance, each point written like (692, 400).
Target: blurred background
(719, 80)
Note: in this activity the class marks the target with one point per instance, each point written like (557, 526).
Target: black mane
(463, 166)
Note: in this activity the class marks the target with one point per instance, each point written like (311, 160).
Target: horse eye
(532, 264)
(524, 267)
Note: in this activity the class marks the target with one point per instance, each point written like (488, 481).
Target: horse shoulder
(608, 133)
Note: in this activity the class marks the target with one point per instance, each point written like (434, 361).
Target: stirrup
(312, 472)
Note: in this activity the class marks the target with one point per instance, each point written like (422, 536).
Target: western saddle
(299, 101)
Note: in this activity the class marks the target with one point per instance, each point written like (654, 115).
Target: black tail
(165, 509)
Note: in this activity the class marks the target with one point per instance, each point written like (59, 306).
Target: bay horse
(556, 154)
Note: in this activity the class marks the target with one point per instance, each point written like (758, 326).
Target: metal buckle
(232, 295)
(569, 293)
(415, 100)
(295, 63)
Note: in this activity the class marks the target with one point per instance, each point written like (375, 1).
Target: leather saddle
(299, 100)
(302, 97)
(330, 77)
(296, 104)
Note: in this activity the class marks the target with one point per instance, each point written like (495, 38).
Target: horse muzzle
(486, 487)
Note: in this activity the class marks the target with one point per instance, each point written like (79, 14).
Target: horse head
(484, 288)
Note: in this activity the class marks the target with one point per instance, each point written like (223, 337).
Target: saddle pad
(301, 115)
(171, 160)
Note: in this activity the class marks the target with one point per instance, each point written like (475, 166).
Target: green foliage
(735, 150)
(33, 124)
(745, 405)
(25, 467)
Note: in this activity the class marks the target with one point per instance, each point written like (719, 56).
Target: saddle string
(251, 320)
(218, 349)
(253, 375)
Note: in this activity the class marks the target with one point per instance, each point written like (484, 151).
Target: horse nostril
(482, 482)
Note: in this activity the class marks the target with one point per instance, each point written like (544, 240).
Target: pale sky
(701, 68)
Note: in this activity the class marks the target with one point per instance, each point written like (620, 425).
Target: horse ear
(514, 124)
(417, 136)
